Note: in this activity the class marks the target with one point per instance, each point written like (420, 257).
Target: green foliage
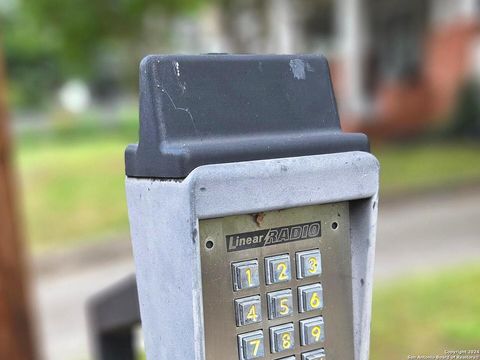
(427, 315)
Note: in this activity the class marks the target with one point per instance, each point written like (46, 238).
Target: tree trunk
(16, 335)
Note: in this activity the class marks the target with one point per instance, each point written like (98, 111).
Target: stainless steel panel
(336, 278)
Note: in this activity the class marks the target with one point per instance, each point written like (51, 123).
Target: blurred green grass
(427, 314)
(73, 179)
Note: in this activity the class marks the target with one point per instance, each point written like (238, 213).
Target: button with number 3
(310, 297)
(248, 310)
(312, 331)
(309, 263)
(251, 346)
(245, 275)
(282, 338)
(277, 269)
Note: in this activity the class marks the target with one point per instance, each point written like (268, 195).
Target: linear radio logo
(266, 237)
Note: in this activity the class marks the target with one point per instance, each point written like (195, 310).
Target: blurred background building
(406, 72)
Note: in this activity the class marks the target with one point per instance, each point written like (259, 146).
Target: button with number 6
(277, 269)
(312, 331)
(251, 346)
(310, 297)
(309, 263)
(282, 338)
(248, 310)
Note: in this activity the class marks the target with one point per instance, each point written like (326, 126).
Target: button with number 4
(312, 331)
(314, 355)
(282, 338)
(309, 263)
(248, 310)
(245, 275)
(280, 304)
(277, 269)
(310, 297)
(251, 346)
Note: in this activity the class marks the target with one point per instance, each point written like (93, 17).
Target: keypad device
(277, 269)
(309, 263)
(282, 338)
(314, 355)
(312, 331)
(310, 297)
(280, 304)
(274, 289)
(248, 310)
(251, 345)
(245, 275)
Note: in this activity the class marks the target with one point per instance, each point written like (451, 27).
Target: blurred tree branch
(16, 335)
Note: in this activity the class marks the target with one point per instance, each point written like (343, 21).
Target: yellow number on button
(256, 345)
(313, 265)
(283, 271)
(252, 313)
(316, 332)
(286, 341)
(284, 309)
(315, 300)
(249, 276)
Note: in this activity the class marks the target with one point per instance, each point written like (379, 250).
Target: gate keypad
(248, 310)
(251, 345)
(280, 304)
(245, 275)
(310, 297)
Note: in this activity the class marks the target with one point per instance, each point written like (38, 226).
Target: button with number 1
(245, 275)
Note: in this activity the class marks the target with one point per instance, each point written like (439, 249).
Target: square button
(251, 345)
(288, 358)
(277, 269)
(245, 275)
(248, 310)
(282, 338)
(280, 304)
(314, 355)
(309, 263)
(310, 297)
(312, 331)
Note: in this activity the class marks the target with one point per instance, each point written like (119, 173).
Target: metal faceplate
(227, 241)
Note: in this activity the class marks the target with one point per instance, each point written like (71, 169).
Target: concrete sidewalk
(422, 233)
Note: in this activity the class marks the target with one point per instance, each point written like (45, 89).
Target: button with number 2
(277, 269)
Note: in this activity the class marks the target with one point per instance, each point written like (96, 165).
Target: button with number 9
(312, 331)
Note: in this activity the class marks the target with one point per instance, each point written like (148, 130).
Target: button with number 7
(251, 345)
(312, 331)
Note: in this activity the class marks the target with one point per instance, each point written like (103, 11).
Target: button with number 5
(312, 331)
(280, 304)
(310, 297)
(248, 310)
(277, 269)
(309, 263)
(245, 275)
(251, 346)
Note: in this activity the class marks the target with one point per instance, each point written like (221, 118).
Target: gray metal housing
(164, 228)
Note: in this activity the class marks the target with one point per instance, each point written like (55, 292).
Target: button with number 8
(310, 297)
(282, 338)
(312, 331)
(280, 304)
(245, 275)
(248, 310)
(251, 345)
(309, 263)
(277, 269)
